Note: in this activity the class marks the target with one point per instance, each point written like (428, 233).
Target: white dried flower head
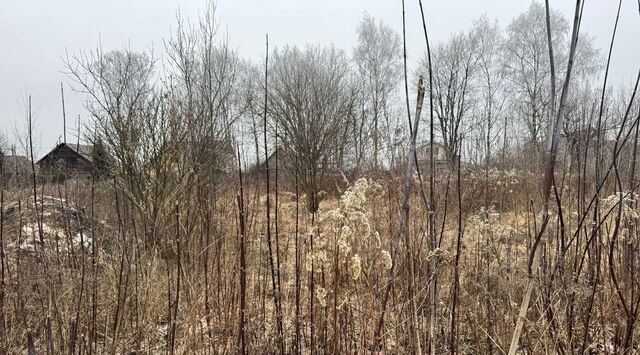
(334, 215)
(313, 231)
(354, 202)
(390, 345)
(439, 254)
(321, 295)
(356, 217)
(386, 260)
(367, 231)
(630, 214)
(345, 232)
(343, 245)
(355, 196)
(308, 262)
(321, 256)
(356, 267)
(628, 201)
(320, 241)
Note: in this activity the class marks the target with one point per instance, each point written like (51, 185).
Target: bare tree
(490, 85)
(310, 99)
(527, 64)
(162, 130)
(202, 84)
(377, 56)
(131, 120)
(455, 69)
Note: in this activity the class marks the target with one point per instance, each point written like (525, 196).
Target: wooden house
(439, 156)
(68, 160)
(285, 165)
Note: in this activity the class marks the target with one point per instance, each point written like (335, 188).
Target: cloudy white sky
(34, 35)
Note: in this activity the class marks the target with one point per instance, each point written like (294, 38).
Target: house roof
(83, 150)
(283, 158)
(11, 161)
(440, 152)
(435, 144)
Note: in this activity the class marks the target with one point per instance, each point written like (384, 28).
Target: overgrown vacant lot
(101, 280)
(479, 198)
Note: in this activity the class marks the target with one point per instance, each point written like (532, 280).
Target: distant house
(284, 165)
(68, 159)
(15, 166)
(439, 155)
(283, 160)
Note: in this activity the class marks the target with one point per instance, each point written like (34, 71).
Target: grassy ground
(106, 280)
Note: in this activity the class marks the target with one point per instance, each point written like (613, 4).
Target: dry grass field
(95, 284)
(332, 202)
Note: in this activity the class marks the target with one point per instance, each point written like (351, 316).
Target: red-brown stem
(243, 264)
(274, 281)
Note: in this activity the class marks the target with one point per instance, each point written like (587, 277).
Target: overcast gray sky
(34, 35)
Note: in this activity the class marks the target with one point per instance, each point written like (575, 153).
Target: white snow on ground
(59, 223)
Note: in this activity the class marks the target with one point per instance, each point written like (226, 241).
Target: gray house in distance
(439, 156)
(68, 159)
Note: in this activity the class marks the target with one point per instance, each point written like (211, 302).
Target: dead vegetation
(256, 220)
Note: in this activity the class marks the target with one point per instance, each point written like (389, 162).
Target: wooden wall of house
(65, 160)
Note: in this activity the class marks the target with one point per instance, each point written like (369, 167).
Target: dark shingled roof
(83, 150)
